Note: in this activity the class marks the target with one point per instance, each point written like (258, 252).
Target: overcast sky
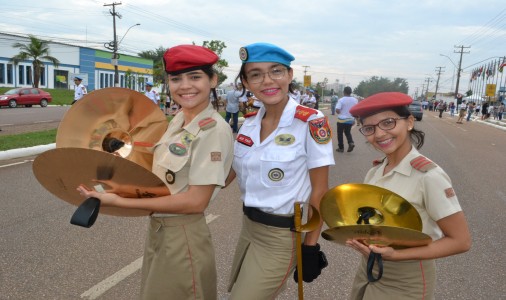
(349, 41)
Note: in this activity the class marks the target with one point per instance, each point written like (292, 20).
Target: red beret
(379, 102)
(185, 58)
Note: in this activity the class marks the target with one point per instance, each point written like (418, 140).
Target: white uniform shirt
(274, 174)
(430, 192)
(153, 95)
(344, 105)
(79, 91)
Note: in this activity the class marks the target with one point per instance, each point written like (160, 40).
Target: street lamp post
(115, 55)
(458, 73)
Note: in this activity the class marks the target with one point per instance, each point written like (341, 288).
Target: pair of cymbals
(371, 214)
(62, 170)
(114, 120)
(107, 135)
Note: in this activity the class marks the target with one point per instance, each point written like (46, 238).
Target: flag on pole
(502, 65)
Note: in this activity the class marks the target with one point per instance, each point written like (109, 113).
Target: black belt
(256, 215)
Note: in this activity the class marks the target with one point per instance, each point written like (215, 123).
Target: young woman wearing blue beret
(282, 155)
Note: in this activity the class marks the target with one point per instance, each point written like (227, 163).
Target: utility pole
(427, 90)
(115, 56)
(461, 51)
(437, 82)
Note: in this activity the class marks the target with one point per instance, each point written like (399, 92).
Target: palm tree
(36, 50)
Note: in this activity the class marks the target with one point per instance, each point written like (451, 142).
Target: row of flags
(488, 70)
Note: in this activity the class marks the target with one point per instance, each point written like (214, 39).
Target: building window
(21, 70)
(2, 73)
(101, 84)
(61, 79)
(10, 70)
(122, 80)
(42, 76)
(29, 75)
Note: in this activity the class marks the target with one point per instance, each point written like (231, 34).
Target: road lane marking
(112, 280)
(17, 163)
(108, 283)
(48, 121)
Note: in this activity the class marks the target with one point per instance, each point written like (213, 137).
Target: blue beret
(264, 52)
(149, 83)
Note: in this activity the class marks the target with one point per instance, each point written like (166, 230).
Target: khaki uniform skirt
(400, 280)
(264, 260)
(179, 261)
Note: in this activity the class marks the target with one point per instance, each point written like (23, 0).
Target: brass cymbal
(395, 237)
(62, 170)
(116, 120)
(349, 204)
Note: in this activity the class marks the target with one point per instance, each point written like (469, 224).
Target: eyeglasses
(258, 77)
(387, 124)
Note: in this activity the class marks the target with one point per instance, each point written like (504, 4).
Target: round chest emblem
(276, 174)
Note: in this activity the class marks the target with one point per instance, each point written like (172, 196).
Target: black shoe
(340, 150)
(350, 147)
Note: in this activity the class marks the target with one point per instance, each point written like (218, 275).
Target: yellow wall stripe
(101, 65)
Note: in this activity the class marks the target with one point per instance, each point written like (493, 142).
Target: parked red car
(26, 97)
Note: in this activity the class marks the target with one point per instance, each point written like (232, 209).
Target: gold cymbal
(116, 120)
(62, 170)
(348, 204)
(395, 237)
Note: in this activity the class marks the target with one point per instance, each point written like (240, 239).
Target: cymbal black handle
(370, 265)
(86, 214)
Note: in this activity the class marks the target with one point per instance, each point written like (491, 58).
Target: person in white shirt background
(79, 89)
(152, 94)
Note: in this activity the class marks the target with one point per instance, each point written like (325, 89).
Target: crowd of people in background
(467, 109)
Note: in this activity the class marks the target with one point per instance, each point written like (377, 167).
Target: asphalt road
(29, 119)
(42, 256)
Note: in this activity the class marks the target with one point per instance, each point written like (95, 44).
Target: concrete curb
(23, 152)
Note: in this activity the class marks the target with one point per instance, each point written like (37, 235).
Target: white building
(93, 65)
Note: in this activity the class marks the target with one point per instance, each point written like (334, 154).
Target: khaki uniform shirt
(199, 153)
(430, 192)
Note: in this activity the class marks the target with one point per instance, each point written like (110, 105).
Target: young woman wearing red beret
(193, 158)
(408, 273)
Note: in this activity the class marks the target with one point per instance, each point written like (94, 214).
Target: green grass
(24, 140)
(60, 96)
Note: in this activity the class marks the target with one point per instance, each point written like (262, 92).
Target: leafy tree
(217, 47)
(37, 50)
(159, 75)
(381, 84)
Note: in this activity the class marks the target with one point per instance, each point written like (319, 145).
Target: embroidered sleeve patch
(320, 130)
(450, 192)
(215, 156)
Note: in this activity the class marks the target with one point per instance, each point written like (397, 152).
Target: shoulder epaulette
(207, 123)
(378, 161)
(303, 112)
(422, 164)
(250, 114)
